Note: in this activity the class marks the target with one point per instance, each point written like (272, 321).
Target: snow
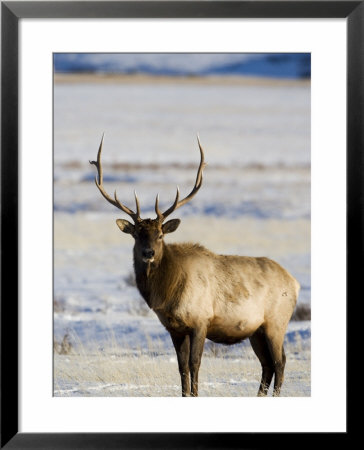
(255, 200)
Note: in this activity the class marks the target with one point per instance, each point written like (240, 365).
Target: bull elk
(198, 294)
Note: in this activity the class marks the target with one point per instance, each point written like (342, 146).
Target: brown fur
(198, 294)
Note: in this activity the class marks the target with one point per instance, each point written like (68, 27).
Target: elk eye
(160, 236)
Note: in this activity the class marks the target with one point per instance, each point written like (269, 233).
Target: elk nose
(148, 253)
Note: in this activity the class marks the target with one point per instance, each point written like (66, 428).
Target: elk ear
(170, 226)
(125, 226)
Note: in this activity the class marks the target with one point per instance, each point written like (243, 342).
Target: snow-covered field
(255, 200)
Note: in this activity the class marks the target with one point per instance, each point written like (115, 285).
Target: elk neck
(146, 274)
(163, 280)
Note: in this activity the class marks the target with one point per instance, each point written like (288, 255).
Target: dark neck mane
(145, 274)
(164, 280)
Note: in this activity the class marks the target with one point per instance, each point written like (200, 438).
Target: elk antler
(177, 203)
(115, 201)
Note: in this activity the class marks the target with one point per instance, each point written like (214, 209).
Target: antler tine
(178, 203)
(157, 210)
(202, 164)
(162, 216)
(116, 202)
(137, 205)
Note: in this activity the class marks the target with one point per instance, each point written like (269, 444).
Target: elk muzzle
(148, 255)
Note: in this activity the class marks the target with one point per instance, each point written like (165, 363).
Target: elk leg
(182, 347)
(279, 373)
(261, 349)
(275, 342)
(197, 343)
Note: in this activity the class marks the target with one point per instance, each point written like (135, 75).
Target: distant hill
(277, 65)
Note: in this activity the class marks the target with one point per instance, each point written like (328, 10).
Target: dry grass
(58, 305)
(64, 347)
(302, 312)
(116, 78)
(153, 372)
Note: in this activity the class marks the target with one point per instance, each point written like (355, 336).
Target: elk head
(148, 233)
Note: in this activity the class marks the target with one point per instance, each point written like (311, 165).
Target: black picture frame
(11, 13)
